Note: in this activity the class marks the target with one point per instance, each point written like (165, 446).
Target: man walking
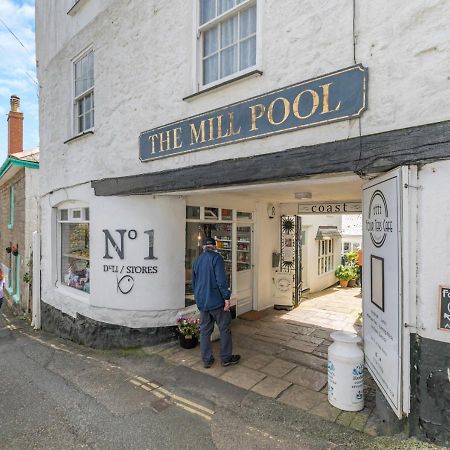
(212, 296)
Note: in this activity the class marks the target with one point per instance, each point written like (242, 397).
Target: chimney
(15, 127)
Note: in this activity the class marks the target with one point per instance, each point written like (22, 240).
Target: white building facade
(163, 122)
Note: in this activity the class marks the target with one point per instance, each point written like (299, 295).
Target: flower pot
(187, 341)
(351, 283)
(343, 283)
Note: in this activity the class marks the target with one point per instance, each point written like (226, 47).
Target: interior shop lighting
(301, 195)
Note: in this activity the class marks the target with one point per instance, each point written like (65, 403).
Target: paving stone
(216, 370)
(345, 418)
(257, 361)
(308, 378)
(309, 339)
(278, 368)
(242, 377)
(185, 358)
(371, 426)
(301, 397)
(326, 411)
(300, 345)
(271, 387)
(305, 359)
(359, 421)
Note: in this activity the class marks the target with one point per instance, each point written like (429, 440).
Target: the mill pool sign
(336, 96)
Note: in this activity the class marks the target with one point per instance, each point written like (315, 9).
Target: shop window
(74, 248)
(192, 212)
(211, 213)
(227, 214)
(84, 92)
(11, 207)
(240, 215)
(227, 38)
(325, 262)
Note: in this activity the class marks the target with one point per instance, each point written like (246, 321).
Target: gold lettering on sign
(219, 129)
(198, 135)
(231, 129)
(326, 99)
(255, 115)
(152, 139)
(164, 139)
(287, 110)
(295, 105)
(177, 143)
(211, 128)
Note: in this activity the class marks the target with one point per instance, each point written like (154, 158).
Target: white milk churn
(346, 372)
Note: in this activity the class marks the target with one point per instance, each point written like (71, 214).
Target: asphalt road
(55, 394)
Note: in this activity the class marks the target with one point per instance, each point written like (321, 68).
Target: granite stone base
(101, 335)
(430, 390)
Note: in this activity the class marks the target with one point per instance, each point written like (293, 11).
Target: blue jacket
(209, 281)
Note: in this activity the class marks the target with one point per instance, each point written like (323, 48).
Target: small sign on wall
(444, 308)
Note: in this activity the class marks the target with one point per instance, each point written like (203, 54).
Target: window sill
(16, 298)
(74, 293)
(79, 136)
(203, 91)
(10, 226)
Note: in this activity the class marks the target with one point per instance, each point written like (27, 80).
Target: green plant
(344, 272)
(27, 277)
(188, 326)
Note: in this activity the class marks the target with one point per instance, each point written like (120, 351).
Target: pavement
(56, 394)
(284, 355)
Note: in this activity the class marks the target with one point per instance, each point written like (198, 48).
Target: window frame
(70, 206)
(11, 207)
(200, 30)
(77, 98)
(326, 256)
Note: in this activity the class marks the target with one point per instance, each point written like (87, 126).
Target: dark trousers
(207, 321)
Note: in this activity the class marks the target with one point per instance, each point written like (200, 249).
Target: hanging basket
(187, 341)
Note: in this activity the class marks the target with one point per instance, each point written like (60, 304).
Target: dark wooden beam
(368, 154)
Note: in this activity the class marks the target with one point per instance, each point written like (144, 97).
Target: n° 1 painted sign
(336, 96)
(444, 308)
(330, 208)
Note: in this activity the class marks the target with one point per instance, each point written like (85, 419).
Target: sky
(17, 69)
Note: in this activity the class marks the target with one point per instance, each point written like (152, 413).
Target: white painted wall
(433, 243)
(155, 298)
(144, 64)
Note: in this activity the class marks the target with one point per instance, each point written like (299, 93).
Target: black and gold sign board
(444, 308)
(336, 96)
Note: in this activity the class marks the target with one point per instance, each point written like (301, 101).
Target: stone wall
(430, 390)
(15, 235)
(101, 335)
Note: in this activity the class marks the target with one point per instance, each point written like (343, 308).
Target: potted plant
(188, 331)
(344, 273)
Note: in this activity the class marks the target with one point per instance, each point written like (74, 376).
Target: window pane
(247, 53)
(86, 213)
(207, 10)
(211, 41)
(228, 32)
(247, 22)
(228, 61)
(244, 215)
(192, 212)
(211, 213)
(63, 214)
(80, 124)
(225, 5)
(75, 255)
(88, 103)
(211, 69)
(227, 214)
(88, 121)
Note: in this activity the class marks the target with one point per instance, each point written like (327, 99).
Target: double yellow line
(181, 402)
